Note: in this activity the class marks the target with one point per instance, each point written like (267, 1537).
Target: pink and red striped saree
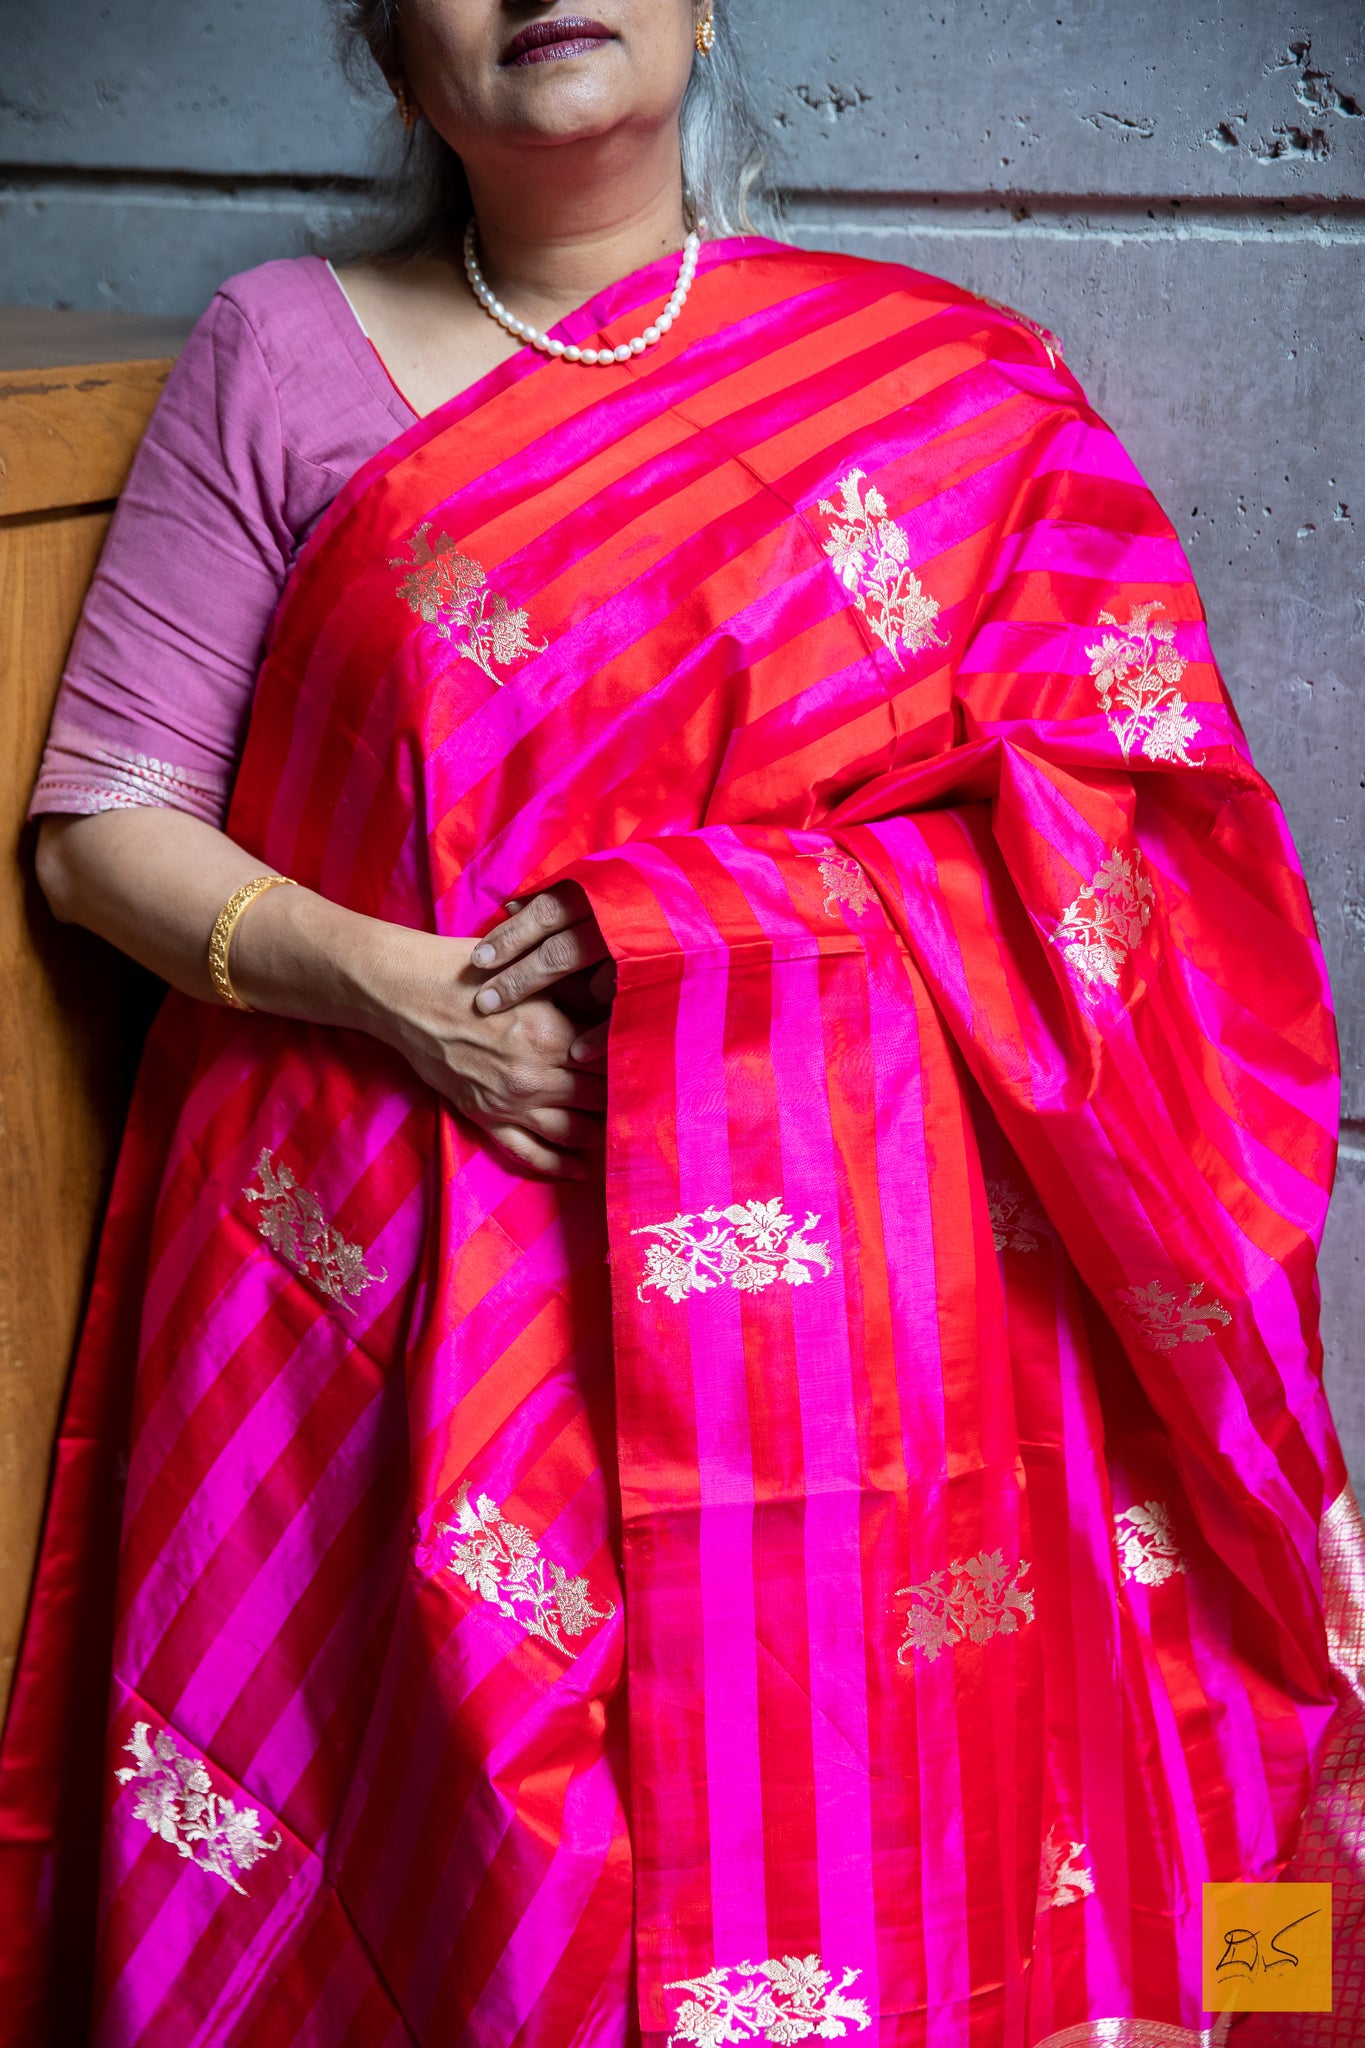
(858, 1578)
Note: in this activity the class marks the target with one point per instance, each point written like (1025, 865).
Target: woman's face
(489, 73)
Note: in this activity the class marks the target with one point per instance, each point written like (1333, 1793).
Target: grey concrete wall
(1178, 190)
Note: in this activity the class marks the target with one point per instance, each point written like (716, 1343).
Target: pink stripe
(540, 1944)
(1094, 1622)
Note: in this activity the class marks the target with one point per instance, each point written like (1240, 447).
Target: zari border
(1341, 1550)
(1139, 2034)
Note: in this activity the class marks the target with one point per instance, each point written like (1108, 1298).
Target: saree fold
(862, 1577)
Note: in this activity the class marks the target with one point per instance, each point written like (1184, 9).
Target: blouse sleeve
(154, 703)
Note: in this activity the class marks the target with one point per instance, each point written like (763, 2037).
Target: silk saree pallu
(860, 1579)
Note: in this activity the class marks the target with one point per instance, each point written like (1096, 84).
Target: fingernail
(578, 1051)
(483, 956)
(487, 999)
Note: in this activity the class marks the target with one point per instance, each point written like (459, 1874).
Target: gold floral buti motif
(292, 1222)
(1063, 1879)
(747, 1245)
(1160, 1320)
(177, 1800)
(1017, 1223)
(975, 1599)
(1136, 669)
(502, 1563)
(846, 886)
(450, 591)
(1099, 929)
(783, 2000)
(1148, 1551)
(870, 553)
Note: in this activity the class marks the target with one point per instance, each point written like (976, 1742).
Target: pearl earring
(706, 33)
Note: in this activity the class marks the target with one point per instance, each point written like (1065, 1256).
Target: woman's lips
(569, 35)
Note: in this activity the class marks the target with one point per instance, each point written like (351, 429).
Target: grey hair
(424, 200)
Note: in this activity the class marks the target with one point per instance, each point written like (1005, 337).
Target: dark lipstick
(567, 35)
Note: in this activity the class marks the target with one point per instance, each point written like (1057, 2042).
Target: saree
(853, 1569)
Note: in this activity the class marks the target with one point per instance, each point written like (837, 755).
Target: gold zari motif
(292, 1223)
(1139, 2034)
(1136, 669)
(1063, 1880)
(1100, 928)
(1160, 1320)
(845, 884)
(1017, 1223)
(501, 1562)
(748, 1245)
(871, 557)
(451, 592)
(1148, 1551)
(1341, 1552)
(784, 2000)
(176, 1800)
(982, 1598)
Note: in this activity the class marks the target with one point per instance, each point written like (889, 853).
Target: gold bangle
(220, 939)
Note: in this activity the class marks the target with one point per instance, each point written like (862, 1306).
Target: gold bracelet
(220, 939)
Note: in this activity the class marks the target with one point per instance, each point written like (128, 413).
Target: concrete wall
(1177, 190)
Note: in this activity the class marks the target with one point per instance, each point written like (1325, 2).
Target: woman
(902, 1314)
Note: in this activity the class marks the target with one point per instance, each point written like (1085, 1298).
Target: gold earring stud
(706, 34)
(409, 113)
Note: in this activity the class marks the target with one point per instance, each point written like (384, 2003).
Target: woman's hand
(547, 939)
(507, 1071)
(152, 881)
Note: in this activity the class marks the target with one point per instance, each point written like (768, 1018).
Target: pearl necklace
(524, 331)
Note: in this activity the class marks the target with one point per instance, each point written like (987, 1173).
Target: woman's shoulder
(285, 356)
(999, 327)
(279, 304)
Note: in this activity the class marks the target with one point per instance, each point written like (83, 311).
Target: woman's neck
(556, 226)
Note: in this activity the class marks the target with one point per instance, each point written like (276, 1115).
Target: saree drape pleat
(863, 1577)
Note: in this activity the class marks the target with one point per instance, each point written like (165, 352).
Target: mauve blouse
(276, 400)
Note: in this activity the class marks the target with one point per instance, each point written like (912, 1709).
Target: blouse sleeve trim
(120, 779)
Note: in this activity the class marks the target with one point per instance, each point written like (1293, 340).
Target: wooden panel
(67, 436)
(38, 338)
(67, 1005)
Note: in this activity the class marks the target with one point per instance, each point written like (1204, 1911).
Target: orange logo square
(1267, 1948)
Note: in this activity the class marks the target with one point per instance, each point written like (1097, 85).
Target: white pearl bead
(522, 330)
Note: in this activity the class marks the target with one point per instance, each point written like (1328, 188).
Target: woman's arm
(153, 881)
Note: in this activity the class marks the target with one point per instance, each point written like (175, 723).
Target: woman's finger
(528, 1150)
(591, 1045)
(563, 952)
(567, 1127)
(553, 910)
(587, 1093)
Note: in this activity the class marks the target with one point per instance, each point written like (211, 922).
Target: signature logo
(1242, 1949)
(1267, 1948)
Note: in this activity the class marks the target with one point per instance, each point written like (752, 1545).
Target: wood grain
(67, 436)
(71, 1009)
(43, 338)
